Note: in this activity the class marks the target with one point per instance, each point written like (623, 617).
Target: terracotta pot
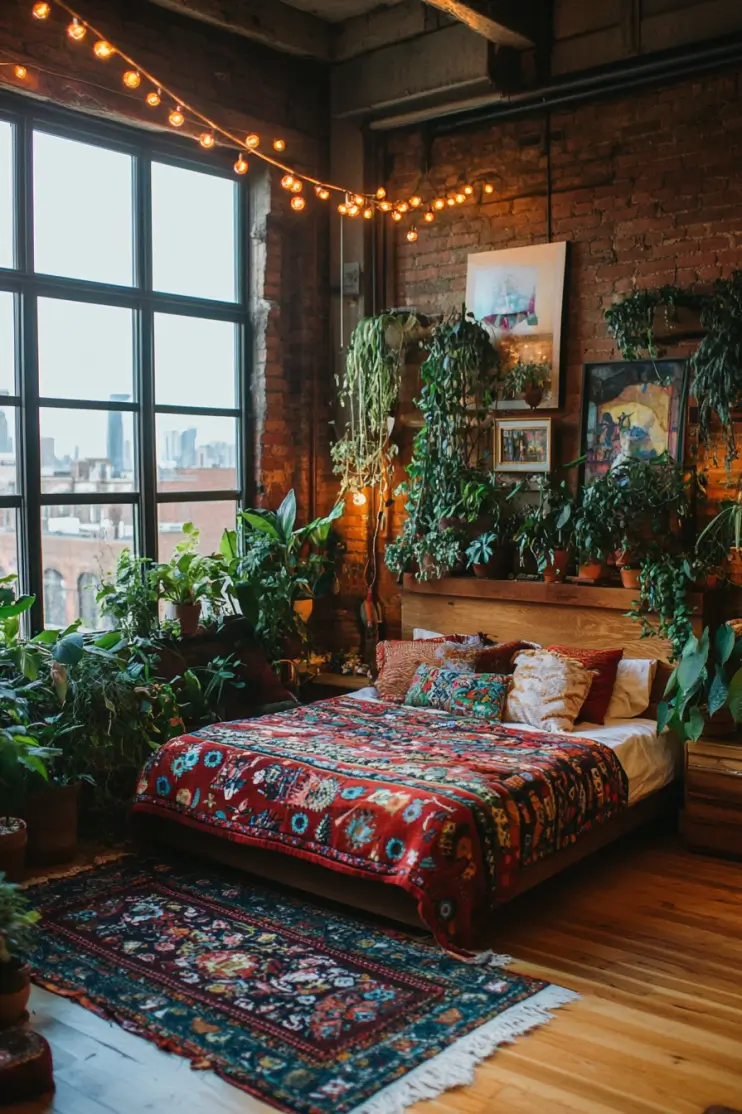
(591, 570)
(303, 609)
(188, 615)
(734, 566)
(15, 989)
(533, 395)
(556, 570)
(499, 565)
(630, 577)
(51, 816)
(13, 850)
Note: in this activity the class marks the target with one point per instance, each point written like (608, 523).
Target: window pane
(85, 351)
(196, 453)
(212, 519)
(87, 450)
(193, 233)
(194, 361)
(8, 438)
(7, 344)
(82, 210)
(80, 545)
(8, 542)
(6, 194)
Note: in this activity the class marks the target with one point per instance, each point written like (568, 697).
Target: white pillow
(633, 688)
(420, 635)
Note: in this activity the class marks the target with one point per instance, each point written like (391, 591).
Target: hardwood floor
(651, 937)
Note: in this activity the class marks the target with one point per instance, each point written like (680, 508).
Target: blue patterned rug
(303, 1006)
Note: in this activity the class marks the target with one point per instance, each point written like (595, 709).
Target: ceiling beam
(513, 23)
(274, 24)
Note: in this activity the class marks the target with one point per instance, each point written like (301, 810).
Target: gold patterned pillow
(548, 690)
(398, 661)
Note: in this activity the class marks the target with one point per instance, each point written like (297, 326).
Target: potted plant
(704, 693)
(528, 381)
(128, 598)
(17, 924)
(593, 531)
(547, 528)
(188, 580)
(487, 556)
(719, 544)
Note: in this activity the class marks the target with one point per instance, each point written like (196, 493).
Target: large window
(122, 339)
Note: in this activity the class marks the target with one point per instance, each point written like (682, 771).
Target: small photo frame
(523, 445)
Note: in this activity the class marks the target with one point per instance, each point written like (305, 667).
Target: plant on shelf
(448, 485)
(720, 541)
(17, 928)
(593, 530)
(526, 380)
(189, 581)
(631, 320)
(128, 598)
(663, 608)
(547, 528)
(717, 363)
(704, 692)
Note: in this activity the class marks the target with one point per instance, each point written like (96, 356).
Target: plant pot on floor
(629, 576)
(188, 615)
(51, 817)
(13, 840)
(303, 609)
(556, 570)
(499, 565)
(591, 570)
(15, 989)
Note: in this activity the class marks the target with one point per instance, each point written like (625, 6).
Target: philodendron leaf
(664, 715)
(286, 516)
(696, 723)
(690, 669)
(564, 517)
(718, 692)
(724, 643)
(69, 650)
(734, 699)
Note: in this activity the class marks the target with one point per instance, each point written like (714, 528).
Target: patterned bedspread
(448, 808)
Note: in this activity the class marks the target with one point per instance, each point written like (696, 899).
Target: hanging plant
(717, 364)
(631, 321)
(369, 389)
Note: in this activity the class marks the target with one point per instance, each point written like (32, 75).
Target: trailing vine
(631, 320)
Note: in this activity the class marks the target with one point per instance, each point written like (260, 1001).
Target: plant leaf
(718, 691)
(724, 643)
(286, 517)
(734, 699)
(696, 723)
(69, 650)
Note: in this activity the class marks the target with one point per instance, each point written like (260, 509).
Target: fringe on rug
(69, 871)
(455, 1066)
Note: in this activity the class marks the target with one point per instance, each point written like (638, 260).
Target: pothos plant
(631, 320)
(547, 525)
(450, 452)
(707, 678)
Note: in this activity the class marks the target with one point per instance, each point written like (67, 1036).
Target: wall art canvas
(631, 408)
(518, 295)
(523, 445)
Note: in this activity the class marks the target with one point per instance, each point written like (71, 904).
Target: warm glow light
(359, 499)
(42, 10)
(132, 80)
(343, 209)
(176, 117)
(429, 218)
(412, 235)
(206, 140)
(385, 206)
(20, 72)
(415, 202)
(322, 193)
(298, 203)
(358, 199)
(103, 50)
(396, 215)
(298, 186)
(287, 181)
(439, 204)
(488, 187)
(279, 144)
(450, 201)
(353, 210)
(368, 213)
(252, 141)
(153, 99)
(381, 193)
(468, 190)
(76, 31)
(241, 166)
(460, 198)
(403, 207)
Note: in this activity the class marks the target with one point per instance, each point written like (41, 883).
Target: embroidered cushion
(397, 662)
(547, 690)
(604, 664)
(462, 694)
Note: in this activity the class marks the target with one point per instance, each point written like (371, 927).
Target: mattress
(650, 761)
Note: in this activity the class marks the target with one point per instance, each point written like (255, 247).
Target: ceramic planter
(13, 840)
(591, 570)
(15, 989)
(629, 577)
(51, 818)
(188, 615)
(303, 609)
(556, 570)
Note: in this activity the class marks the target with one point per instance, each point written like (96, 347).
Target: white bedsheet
(651, 761)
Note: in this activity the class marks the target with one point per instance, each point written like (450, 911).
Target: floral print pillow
(462, 694)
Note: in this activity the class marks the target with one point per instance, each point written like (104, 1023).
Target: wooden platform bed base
(388, 901)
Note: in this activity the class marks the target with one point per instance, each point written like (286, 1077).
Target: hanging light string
(353, 204)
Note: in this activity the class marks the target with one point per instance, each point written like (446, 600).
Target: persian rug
(450, 808)
(301, 1005)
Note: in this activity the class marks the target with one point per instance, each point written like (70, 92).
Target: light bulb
(343, 209)
(20, 72)
(42, 10)
(368, 213)
(322, 193)
(385, 206)
(429, 217)
(132, 80)
(103, 50)
(415, 202)
(412, 235)
(241, 166)
(287, 181)
(358, 200)
(176, 117)
(488, 187)
(468, 190)
(450, 201)
(403, 207)
(396, 216)
(298, 186)
(153, 99)
(298, 203)
(359, 499)
(279, 144)
(353, 210)
(252, 141)
(439, 204)
(380, 193)
(206, 140)
(76, 31)
(460, 198)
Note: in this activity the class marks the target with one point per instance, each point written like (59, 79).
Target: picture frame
(632, 408)
(522, 445)
(517, 295)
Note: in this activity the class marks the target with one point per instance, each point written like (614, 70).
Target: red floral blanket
(448, 808)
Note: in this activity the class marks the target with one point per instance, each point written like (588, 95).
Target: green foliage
(550, 523)
(717, 363)
(707, 678)
(17, 922)
(523, 375)
(189, 578)
(482, 549)
(128, 600)
(663, 608)
(631, 319)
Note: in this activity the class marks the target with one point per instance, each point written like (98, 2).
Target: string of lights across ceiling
(157, 95)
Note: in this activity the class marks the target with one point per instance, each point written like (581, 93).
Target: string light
(20, 72)
(76, 30)
(287, 181)
(298, 186)
(353, 210)
(468, 190)
(298, 203)
(488, 187)
(412, 235)
(153, 98)
(396, 216)
(429, 217)
(460, 198)
(241, 166)
(322, 193)
(103, 50)
(343, 209)
(450, 201)
(385, 206)
(279, 144)
(402, 207)
(132, 79)
(176, 117)
(358, 200)
(42, 10)
(368, 213)
(415, 202)
(206, 140)
(439, 204)
(380, 193)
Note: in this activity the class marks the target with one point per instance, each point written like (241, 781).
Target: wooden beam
(274, 24)
(513, 23)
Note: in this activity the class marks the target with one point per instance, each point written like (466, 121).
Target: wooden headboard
(570, 614)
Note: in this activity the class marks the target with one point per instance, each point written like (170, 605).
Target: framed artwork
(522, 445)
(518, 296)
(632, 408)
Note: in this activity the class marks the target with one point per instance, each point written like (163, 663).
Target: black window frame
(27, 286)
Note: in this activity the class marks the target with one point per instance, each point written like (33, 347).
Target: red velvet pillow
(604, 664)
(500, 657)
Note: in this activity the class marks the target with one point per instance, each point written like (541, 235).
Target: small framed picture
(523, 446)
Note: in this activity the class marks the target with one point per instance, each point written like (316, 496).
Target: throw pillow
(397, 662)
(604, 664)
(500, 658)
(632, 692)
(547, 690)
(462, 694)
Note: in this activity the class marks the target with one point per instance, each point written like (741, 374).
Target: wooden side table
(325, 685)
(713, 796)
